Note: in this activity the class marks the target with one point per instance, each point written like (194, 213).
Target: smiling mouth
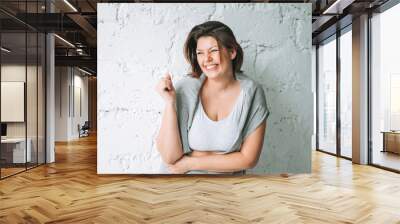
(211, 67)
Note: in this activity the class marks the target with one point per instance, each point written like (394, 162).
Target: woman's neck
(219, 84)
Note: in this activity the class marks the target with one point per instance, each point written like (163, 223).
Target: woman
(215, 119)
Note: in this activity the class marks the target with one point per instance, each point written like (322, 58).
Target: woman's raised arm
(168, 140)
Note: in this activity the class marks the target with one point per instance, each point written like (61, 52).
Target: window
(346, 94)
(22, 77)
(385, 88)
(327, 96)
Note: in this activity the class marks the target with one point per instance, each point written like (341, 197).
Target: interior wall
(71, 93)
(33, 126)
(92, 98)
(314, 91)
(80, 109)
(61, 103)
(17, 72)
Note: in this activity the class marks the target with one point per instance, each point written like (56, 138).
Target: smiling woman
(205, 41)
(214, 120)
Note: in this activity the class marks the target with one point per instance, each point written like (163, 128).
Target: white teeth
(211, 66)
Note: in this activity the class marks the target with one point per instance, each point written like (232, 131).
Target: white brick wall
(137, 43)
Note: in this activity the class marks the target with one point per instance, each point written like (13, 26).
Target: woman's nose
(208, 57)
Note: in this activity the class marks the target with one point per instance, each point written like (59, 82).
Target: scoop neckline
(230, 113)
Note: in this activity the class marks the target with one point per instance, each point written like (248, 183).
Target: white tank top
(208, 135)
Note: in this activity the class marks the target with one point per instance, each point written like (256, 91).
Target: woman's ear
(232, 53)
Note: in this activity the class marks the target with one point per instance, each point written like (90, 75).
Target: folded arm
(168, 140)
(246, 158)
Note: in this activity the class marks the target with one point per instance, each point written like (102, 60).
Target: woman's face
(214, 61)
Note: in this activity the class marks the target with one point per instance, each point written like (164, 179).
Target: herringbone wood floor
(70, 191)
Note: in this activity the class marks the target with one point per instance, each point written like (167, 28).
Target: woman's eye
(198, 53)
(214, 50)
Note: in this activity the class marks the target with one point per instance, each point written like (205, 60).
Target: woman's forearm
(231, 162)
(246, 158)
(168, 140)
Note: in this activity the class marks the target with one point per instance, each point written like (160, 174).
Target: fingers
(168, 76)
(165, 84)
(168, 85)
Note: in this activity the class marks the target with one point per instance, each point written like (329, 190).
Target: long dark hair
(225, 38)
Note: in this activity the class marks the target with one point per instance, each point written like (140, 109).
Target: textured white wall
(137, 43)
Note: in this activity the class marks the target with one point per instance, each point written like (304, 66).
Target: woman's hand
(182, 166)
(166, 89)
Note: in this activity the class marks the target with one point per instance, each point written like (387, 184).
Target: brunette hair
(225, 38)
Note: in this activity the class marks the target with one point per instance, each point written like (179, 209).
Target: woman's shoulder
(186, 79)
(187, 83)
(248, 83)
